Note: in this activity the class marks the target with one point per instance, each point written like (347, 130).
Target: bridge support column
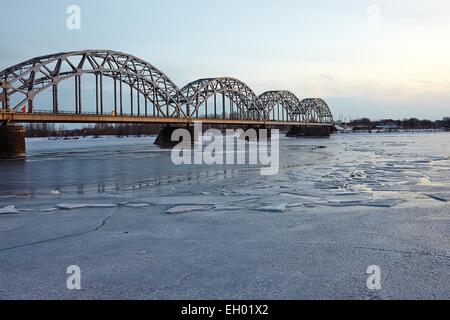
(12, 142)
(164, 138)
(310, 131)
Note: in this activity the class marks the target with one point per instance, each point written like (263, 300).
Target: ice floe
(276, 208)
(444, 197)
(8, 210)
(196, 200)
(258, 192)
(134, 205)
(187, 209)
(227, 208)
(295, 205)
(349, 203)
(49, 210)
(66, 206)
(384, 203)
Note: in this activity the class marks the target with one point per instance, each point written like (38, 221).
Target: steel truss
(28, 79)
(281, 105)
(243, 102)
(316, 110)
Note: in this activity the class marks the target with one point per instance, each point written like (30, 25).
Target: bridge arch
(241, 96)
(284, 102)
(24, 81)
(316, 110)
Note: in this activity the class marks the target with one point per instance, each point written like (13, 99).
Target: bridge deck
(94, 118)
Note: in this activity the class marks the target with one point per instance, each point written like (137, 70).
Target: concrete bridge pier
(164, 138)
(309, 131)
(12, 141)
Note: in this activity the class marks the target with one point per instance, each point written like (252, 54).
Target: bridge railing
(90, 113)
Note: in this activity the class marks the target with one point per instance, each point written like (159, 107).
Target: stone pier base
(310, 131)
(12, 142)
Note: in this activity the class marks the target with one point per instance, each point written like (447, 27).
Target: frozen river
(140, 227)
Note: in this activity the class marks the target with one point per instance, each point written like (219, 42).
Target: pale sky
(380, 59)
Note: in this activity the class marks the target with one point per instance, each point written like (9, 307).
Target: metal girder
(26, 80)
(286, 100)
(242, 96)
(49, 117)
(34, 76)
(316, 110)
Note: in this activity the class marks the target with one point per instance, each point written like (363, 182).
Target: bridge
(125, 89)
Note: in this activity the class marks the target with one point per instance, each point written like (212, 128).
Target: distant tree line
(44, 130)
(407, 124)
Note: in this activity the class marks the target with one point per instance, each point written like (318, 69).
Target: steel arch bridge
(282, 105)
(153, 98)
(316, 110)
(244, 103)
